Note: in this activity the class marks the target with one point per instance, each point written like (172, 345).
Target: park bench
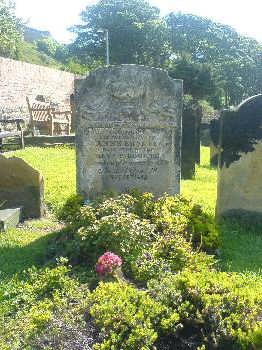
(13, 134)
(44, 116)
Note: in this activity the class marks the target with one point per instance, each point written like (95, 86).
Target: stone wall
(20, 79)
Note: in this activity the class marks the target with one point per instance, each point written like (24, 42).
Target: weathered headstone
(128, 132)
(197, 137)
(240, 161)
(189, 141)
(214, 142)
(21, 186)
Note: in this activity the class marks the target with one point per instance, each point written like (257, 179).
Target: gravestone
(21, 186)
(9, 218)
(197, 136)
(189, 141)
(214, 142)
(128, 133)
(240, 161)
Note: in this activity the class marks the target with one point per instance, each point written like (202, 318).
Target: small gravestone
(128, 131)
(240, 161)
(21, 186)
(9, 218)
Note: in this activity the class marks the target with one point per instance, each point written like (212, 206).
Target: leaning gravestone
(240, 161)
(128, 131)
(21, 186)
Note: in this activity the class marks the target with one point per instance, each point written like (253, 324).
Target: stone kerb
(128, 132)
(21, 186)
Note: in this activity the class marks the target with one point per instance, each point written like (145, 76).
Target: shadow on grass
(15, 258)
(241, 246)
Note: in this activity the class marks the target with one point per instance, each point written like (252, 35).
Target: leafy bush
(153, 237)
(124, 234)
(47, 299)
(210, 308)
(125, 316)
(48, 46)
(69, 212)
(183, 216)
(189, 310)
(170, 253)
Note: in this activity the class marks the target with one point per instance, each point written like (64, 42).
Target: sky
(58, 15)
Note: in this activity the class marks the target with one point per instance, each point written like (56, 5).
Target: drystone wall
(20, 79)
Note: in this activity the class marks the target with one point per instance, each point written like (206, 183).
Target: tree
(10, 29)
(235, 59)
(199, 79)
(137, 33)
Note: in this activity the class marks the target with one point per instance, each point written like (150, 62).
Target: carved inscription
(121, 154)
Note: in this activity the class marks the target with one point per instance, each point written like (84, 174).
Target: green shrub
(71, 209)
(170, 253)
(30, 305)
(125, 316)
(123, 233)
(183, 216)
(153, 237)
(218, 310)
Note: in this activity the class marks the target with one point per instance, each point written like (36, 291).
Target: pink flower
(100, 269)
(107, 263)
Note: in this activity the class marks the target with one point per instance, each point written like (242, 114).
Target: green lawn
(57, 165)
(23, 247)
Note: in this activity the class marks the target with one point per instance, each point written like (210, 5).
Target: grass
(25, 246)
(20, 248)
(203, 188)
(57, 165)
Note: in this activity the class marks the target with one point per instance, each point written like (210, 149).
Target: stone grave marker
(214, 136)
(190, 141)
(240, 161)
(21, 186)
(128, 133)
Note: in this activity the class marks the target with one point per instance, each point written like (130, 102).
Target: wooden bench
(18, 133)
(44, 116)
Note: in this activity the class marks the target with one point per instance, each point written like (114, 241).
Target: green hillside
(28, 52)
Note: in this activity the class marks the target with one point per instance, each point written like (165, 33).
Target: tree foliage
(10, 29)
(215, 62)
(235, 59)
(137, 33)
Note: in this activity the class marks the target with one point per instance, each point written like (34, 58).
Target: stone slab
(9, 218)
(128, 133)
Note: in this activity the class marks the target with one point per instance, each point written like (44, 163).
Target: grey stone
(239, 190)
(128, 131)
(9, 218)
(21, 186)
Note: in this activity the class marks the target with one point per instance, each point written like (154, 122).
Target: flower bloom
(107, 263)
